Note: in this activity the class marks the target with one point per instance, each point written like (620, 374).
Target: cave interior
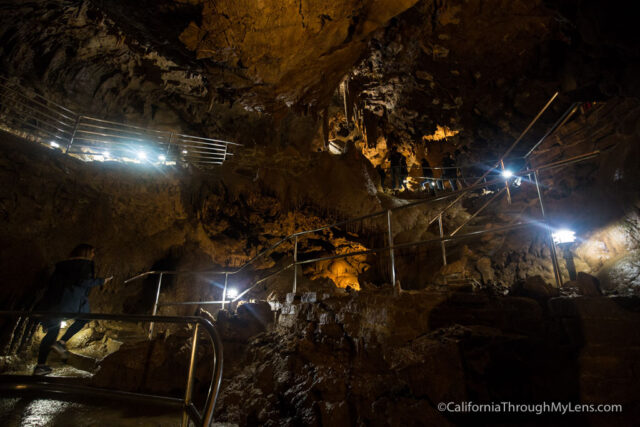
(366, 212)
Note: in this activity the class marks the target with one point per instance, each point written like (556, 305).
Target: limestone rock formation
(292, 52)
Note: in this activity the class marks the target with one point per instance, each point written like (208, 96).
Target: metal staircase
(383, 221)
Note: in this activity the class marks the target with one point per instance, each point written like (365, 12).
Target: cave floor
(27, 412)
(57, 370)
(45, 412)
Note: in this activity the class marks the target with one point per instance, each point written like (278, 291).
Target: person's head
(83, 250)
(394, 148)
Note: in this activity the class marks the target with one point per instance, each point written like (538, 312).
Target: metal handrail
(45, 102)
(559, 123)
(443, 239)
(17, 382)
(366, 252)
(471, 165)
(311, 231)
(48, 101)
(83, 136)
(501, 160)
(37, 111)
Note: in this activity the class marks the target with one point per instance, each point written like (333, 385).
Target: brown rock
(289, 45)
(588, 285)
(334, 414)
(535, 287)
(483, 265)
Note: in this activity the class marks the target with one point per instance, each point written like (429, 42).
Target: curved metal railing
(32, 116)
(18, 383)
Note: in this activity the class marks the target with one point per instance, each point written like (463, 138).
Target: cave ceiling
(481, 68)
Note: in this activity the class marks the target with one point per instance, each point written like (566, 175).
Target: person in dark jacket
(68, 292)
(427, 176)
(395, 159)
(404, 174)
(449, 171)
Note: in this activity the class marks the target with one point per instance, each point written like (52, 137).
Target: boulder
(483, 265)
(585, 284)
(589, 285)
(534, 287)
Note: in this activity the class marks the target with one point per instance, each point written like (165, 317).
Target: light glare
(142, 155)
(232, 293)
(564, 236)
(507, 173)
(55, 144)
(162, 158)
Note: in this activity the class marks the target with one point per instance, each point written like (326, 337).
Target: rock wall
(141, 218)
(378, 359)
(381, 360)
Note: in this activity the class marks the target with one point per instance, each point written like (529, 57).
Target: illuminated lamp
(232, 293)
(507, 173)
(563, 236)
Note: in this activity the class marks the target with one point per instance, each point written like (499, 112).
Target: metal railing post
(295, 265)
(192, 363)
(224, 291)
(552, 245)
(166, 155)
(506, 183)
(442, 245)
(73, 134)
(155, 305)
(391, 252)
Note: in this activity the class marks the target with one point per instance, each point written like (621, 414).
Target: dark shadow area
(513, 349)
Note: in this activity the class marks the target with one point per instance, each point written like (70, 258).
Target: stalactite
(344, 88)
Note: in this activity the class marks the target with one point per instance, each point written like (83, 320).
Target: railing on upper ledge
(34, 117)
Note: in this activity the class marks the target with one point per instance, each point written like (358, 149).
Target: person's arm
(92, 283)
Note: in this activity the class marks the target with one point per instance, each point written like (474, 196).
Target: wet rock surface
(23, 412)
